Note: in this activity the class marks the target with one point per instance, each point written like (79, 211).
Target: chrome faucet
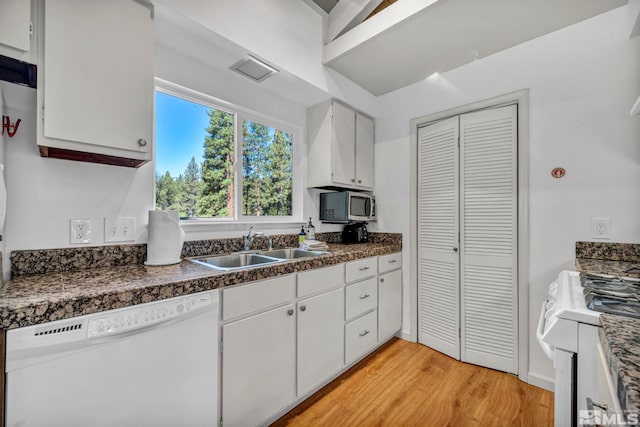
(246, 240)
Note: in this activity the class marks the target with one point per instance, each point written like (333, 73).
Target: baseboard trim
(541, 381)
(405, 336)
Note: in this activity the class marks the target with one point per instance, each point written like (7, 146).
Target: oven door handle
(540, 331)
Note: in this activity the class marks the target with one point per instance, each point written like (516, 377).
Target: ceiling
(326, 5)
(446, 35)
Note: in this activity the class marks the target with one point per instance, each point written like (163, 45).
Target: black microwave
(343, 207)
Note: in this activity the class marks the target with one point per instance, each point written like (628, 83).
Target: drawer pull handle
(290, 312)
(365, 296)
(303, 308)
(392, 261)
(364, 333)
(364, 268)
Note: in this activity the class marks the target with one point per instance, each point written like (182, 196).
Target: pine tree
(217, 168)
(255, 143)
(166, 192)
(279, 168)
(190, 189)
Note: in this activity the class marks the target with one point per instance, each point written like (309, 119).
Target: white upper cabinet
(15, 29)
(364, 151)
(343, 145)
(340, 147)
(95, 81)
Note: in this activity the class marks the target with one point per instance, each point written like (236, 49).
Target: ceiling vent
(253, 68)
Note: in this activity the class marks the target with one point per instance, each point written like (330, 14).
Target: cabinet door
(343, 140)
(320, 339)
(364, 152)
(15, 19)
(389, 304)
(98, 76)
(258, 366)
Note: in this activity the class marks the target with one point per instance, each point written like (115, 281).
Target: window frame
(240, 114)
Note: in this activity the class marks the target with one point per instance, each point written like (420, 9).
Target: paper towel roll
(164, 245)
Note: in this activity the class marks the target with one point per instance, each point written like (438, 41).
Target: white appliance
(568, 334)
(153, 364)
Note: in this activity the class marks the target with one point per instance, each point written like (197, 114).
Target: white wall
(288, 34)
(582, 81)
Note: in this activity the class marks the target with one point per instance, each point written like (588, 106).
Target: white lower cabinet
(258, 357)
(320, 339)
(389, 304)
(283, 338)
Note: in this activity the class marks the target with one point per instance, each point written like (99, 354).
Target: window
(214, 161)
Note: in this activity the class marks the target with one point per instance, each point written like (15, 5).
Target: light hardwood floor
(408, 384)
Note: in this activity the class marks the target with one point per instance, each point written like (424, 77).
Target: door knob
(455, 249)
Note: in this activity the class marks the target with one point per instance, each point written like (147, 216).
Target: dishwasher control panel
(132, 318)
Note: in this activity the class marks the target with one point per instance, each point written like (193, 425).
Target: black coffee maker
(355, 233)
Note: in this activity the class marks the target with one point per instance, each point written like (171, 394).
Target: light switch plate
(120, 229)
(601, 228)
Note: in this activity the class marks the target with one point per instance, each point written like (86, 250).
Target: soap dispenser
(311, 231)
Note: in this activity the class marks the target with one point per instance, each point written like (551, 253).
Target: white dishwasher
(153, 364)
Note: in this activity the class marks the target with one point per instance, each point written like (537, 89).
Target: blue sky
(180, 131)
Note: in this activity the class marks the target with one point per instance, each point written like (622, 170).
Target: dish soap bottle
(311, 231)
(302, 236)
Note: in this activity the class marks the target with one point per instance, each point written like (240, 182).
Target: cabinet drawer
(361, 297)
(360, 336)
(257, 296)
(323, 279)
(389, 262)
(361, 269)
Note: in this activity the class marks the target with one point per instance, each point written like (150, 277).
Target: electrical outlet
(601, 228)
(121, 229)
(80, 231)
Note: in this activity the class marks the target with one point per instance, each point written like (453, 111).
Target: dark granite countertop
(618, 335)
(621, 343)
(29, 300)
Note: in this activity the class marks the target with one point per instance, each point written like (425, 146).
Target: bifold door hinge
(221, 345)
(30, 30)
(459, 333)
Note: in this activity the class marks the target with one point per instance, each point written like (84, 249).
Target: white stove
(568, 334)
(561, 313)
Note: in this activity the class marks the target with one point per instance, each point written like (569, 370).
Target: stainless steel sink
(235, 261)
(291, 253)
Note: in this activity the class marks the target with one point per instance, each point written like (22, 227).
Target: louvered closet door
(438, 261)
(488, 158)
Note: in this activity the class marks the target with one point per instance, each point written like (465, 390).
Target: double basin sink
(249, 259)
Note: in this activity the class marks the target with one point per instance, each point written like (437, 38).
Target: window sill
(202, 229)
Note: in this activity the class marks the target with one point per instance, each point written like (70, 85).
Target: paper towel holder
(164, 245)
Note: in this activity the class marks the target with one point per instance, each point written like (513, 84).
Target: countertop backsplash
(42, 261)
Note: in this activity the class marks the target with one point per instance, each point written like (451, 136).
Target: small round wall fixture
(558, 172)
